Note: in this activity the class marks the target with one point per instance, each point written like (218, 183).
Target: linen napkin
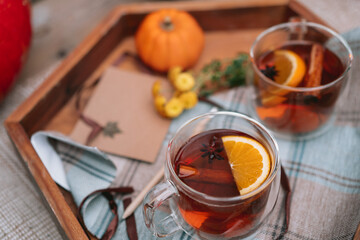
(324, 172)
(78, 169)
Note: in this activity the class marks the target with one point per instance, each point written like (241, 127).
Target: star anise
(111, 129)
(269, 71)
(212, 151)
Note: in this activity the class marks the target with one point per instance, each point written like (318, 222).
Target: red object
(15, 35)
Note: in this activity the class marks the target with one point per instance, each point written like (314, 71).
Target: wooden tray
(230, 27)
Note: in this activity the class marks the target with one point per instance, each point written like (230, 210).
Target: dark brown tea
(299, 111)
(202, 164)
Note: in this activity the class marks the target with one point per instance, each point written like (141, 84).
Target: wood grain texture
(230, 26)
(357, 233)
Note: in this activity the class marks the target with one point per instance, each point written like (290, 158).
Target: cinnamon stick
(205, 175)
(313, 77)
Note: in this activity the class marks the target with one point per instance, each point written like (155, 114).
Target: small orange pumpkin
(167, 38)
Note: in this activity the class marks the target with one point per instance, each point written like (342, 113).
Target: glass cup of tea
(300, 69)
(222, 178)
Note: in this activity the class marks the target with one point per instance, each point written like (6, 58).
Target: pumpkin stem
(167, 24)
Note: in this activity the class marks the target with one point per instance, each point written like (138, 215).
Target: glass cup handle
(157, 214)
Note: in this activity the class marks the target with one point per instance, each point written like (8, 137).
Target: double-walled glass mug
(203, 205)
(295, 98)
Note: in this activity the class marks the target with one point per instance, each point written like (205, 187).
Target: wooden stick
(313, 78)
(205, 175)
(134, 204)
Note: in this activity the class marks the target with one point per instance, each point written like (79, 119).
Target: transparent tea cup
(298, 112)
(173, 206)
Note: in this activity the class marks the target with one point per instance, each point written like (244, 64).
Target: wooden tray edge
(202, 5)
(305, 12)
(49, 189)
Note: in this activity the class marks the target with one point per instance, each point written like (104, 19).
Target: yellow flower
(160, 102)
(184, 82)
(156, 88)
(174, 73)
(182, 97)
(174, 108)
(189, 99)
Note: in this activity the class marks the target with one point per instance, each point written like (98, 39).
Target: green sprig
(222, 74)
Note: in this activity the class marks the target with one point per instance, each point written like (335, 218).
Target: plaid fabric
(324, 173)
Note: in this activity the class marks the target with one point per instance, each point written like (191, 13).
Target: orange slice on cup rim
(291, 70)
(249, 161)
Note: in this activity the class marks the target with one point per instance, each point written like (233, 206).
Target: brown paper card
(126, 98)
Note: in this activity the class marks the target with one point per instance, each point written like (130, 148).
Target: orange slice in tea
(249, 162)
(290, 66)
(291, 70)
